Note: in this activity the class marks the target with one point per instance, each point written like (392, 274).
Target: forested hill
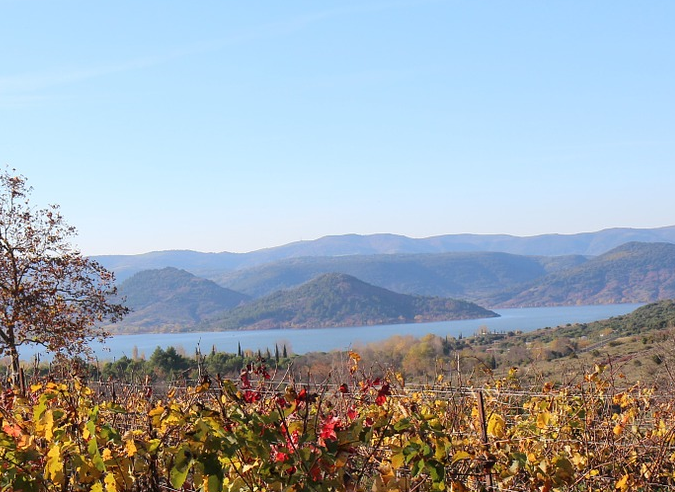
(646, 319)
(172, 299)
(634, 272)
(333, 300)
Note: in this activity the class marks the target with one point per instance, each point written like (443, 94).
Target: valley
(203, 291)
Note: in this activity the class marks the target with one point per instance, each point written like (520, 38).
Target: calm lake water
(327, 339)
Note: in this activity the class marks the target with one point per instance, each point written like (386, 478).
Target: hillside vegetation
(471, 276)
(640, 345)
(172, 299)
(634, 272)
(342, 300)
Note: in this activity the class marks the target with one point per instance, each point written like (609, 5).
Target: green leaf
(427, 451)
(91, 427)
(153, 445)
(402, 424)
(417, 468)
(436, 471)
(181, 467)
(214, 484)
(96, 458)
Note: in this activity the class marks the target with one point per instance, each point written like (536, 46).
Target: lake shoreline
(305, 340)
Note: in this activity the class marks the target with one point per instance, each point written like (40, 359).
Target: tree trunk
(15, 370)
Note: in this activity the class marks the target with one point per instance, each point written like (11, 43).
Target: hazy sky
(234, 126)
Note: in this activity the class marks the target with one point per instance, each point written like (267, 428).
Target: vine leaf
(496, 426)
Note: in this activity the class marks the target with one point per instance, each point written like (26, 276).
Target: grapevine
(266, 433)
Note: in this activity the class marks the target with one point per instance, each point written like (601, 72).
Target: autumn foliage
(50, 295)
(364, 433)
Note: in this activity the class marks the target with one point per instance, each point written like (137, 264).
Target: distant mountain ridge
(471, 276)
(333, 300)
(206, 264)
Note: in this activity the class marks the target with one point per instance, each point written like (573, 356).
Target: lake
(327, 339)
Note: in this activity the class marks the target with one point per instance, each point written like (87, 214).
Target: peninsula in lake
(330, 300)
(336, 299)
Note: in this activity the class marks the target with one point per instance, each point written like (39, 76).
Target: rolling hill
(172, 299)
(633, 272)
(333, 300)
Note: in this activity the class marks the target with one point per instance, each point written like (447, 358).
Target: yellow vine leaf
(579, 460)
(45, 425)
(442, 445)
(460, 455)
(622, 484)
(496, 426)
(543, 420)
(202, 387)
(110, 483)
(397, 460)
(54, 465)
(158, 410)
(130, 447)
(386, 472)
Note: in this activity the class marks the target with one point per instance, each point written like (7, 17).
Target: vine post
(484, 440)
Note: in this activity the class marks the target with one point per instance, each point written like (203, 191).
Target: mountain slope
(342, 300)
(210, 264)
(171, 299)
(471, 276)
(634, 272)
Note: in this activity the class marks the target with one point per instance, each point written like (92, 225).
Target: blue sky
(234, 126)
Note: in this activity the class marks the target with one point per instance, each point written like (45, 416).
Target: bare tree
(50, 294)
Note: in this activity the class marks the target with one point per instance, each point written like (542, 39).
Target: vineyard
(356, 432)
